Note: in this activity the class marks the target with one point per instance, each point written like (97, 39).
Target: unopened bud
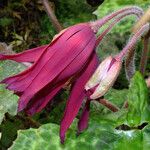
(104, 77)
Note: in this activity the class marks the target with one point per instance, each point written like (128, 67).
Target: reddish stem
(117, 20)
(52, 16)
(145, 52)
(108, 104)
(133, 41)
(99, 23)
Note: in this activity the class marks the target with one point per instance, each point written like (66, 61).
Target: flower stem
(133, 41)
(117, 20)
(52, 16)
(143, 20)
(125, 105)
(145, 52)
(99, 23)
(130, 63)
(108, 104)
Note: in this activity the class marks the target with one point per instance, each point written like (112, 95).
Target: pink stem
(52, 16)
(145, 52)
(108, 104)
(117, 20)
(133, 41)
(97, 24)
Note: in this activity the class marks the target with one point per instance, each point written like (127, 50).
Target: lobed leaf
(8, 101)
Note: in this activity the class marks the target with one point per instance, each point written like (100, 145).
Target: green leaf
(117, 97)
(138, 111)
(47, 136)
(133, 139)
(8, 101)
(101, 134)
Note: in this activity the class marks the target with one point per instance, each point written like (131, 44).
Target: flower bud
(104, 77)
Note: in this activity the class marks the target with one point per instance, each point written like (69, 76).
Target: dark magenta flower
(71, 55)
(53, 66)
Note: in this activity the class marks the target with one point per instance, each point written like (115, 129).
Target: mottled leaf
(138, 110)
(100, 135)
(8, 101)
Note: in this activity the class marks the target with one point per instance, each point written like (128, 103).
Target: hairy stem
(52, 16)
(97, 24)
(130, 63)
(116, 20)
(143, 20)
(108, 104)
(145, 53)
(133, 41)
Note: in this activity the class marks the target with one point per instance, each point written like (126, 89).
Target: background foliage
(23, 29)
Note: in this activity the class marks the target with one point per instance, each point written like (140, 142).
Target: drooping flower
(54, 65)
(77, 94)
(71, 55)
(107, 72)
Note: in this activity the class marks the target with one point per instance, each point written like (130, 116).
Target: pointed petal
(52, 47)
(30, 55)
(83, 121)
(79, 62)
(22, 80)
(55, 65)
(76, 97)
(42, 98)
(33, 54)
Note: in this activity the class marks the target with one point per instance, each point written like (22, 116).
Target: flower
(107, 72)
(103, 78)
(53, 65)
(71, 57)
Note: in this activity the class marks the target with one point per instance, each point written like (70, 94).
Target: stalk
(145, 52)
(108, 104)
(52, 16)
(129, 63)
(99, 23)
(133, 41)
(116, 21)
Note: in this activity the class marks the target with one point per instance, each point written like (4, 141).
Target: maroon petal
(54, 66)
(43, 98)
(30, 55)
(83, 121)
(51, 49)
(78, 63)
(80, 60)
(76, 97)
(33, 54)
